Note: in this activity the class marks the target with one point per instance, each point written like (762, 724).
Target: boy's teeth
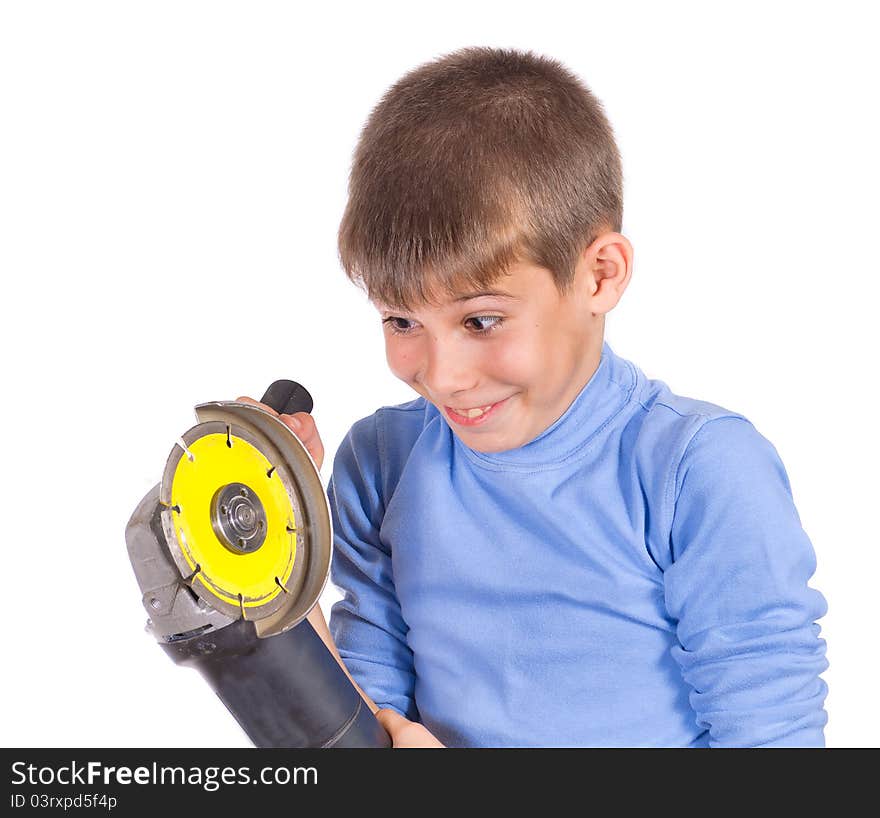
(474, 413)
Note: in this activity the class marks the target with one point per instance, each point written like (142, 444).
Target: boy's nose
(448, 371)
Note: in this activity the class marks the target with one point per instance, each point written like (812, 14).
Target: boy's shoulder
(720, 448)
(381, 442)
(671, 425)
(676, 413)
(403, 417)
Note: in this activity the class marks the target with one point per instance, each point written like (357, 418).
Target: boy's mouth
(473, 416)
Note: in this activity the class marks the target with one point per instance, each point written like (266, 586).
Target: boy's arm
(319, 624)
(748, 642)
(403, 732)
(367, 626)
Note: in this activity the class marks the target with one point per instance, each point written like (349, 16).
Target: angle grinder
(231, 551)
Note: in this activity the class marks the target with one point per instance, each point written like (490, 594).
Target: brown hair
(470, 163)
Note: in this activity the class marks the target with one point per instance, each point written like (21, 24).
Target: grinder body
(231, 551)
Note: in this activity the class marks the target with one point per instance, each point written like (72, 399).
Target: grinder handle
(288, 398)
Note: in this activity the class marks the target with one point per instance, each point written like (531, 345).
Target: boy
(545, 547)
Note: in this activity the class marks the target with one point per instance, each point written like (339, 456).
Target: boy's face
(524, 352)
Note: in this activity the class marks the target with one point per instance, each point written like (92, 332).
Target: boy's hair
(470, 163)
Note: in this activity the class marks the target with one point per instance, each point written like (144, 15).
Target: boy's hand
(403, 732)
(302, 424)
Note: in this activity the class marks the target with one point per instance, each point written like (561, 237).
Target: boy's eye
(483, 329)
(396, 327)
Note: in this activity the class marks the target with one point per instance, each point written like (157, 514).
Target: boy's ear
(606, 268)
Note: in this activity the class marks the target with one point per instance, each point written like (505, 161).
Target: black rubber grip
(285, 691)
(288, 397)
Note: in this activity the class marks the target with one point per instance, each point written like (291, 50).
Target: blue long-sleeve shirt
(634, 576)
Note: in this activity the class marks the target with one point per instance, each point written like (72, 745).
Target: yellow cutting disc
(247, 580)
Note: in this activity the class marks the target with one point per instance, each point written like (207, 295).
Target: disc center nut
(238, 518)
(245, 516)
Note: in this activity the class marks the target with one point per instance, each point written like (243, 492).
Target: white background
(172, 176)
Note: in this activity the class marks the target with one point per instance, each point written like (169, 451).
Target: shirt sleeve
(748, 644)
(366, 624)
